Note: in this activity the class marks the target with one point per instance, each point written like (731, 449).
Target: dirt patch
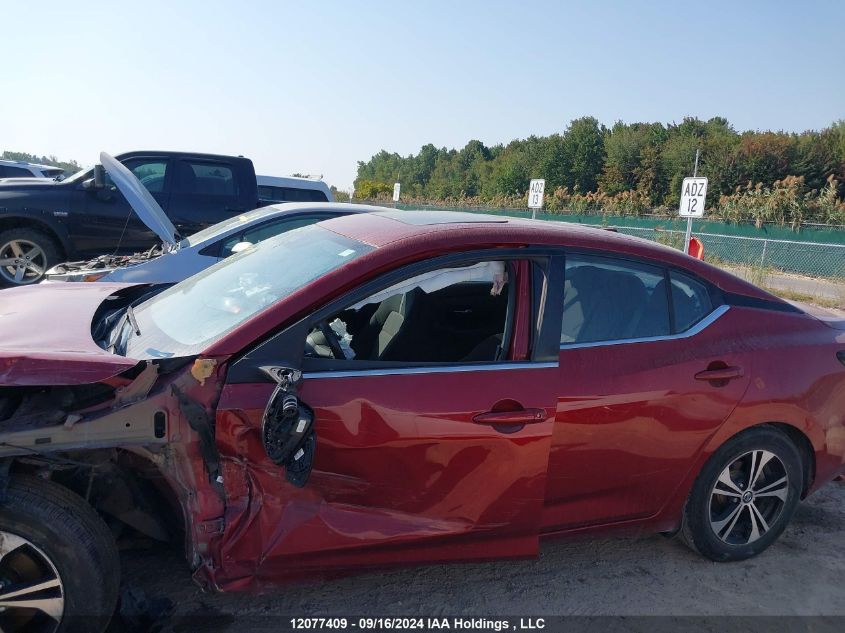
(801, 574)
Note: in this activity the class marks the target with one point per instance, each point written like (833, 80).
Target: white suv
(292, 189)
(21, 169)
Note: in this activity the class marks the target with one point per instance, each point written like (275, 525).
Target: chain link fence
(824, 261)
(813, 259)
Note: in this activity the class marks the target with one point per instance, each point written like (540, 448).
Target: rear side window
(14, 172)
(271, 229)
(690, 301)
(205, 179)
(607, 299)
(291, 194)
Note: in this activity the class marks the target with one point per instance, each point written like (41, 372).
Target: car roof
(383, 226)
(444, 231)
(262, 214)
(291, 181)
(284, 208)
(174, 153)
(23, 163)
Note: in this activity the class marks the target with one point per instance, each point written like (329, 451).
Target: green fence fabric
(816, 251)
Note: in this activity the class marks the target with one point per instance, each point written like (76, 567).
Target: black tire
(48, 256)
(725, 530)
(76, 542)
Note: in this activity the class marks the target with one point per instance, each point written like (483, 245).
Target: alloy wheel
(22, 261)
(31, 591)
(749, 497)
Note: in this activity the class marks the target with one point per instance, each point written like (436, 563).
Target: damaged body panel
(146, 421)
(420, 387)
(47, 336)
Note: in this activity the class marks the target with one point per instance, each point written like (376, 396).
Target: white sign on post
(535, 193)
(693, 193)
(396, 188)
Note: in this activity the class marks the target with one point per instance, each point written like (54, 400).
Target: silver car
(175, 259)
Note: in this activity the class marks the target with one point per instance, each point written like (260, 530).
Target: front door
(432, 441)
(110, 224)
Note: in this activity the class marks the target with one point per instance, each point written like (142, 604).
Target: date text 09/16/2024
(417, 624)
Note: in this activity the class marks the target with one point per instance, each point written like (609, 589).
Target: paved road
(802, 574)
(809, 286)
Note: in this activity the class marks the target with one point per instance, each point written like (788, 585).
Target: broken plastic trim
(287, 429)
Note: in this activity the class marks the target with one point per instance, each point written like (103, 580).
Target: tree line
(631, 168)
(69, 166)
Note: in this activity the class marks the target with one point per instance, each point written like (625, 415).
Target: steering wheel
(332, 339)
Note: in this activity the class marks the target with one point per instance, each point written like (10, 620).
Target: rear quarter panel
(796, 381)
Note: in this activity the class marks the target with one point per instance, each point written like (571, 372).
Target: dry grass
(791, 295)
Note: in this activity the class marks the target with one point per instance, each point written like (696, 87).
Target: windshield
(188, 317)
(82, 174)
(220, 228)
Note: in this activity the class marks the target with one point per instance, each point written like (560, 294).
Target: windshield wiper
(130, 316)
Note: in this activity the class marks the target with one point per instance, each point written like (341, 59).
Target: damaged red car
(402, 388)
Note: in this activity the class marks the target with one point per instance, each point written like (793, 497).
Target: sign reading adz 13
(693, 193)
(535, 193)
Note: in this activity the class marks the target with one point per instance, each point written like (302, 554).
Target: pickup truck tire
(52, 538)
(25, 255)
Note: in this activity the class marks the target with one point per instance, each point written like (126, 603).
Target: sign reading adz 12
(693, 193)
(535, 194)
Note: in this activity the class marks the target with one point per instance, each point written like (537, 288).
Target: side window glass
(690, 301)
(290, 194)
(205, 179)
(151, 173)
(271, 229)
(607, 299)
(14, 172)
(447, 315)
(304, 195)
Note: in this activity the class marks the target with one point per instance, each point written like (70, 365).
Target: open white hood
(141, 200)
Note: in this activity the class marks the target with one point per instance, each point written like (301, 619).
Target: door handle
(505, 418)
(724, 373)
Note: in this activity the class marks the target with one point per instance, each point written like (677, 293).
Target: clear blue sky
(316, 86)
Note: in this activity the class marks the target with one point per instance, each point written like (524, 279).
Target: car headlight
(84, 275)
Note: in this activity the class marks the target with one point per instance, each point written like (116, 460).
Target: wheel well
(805, 450)
(30, 223)
(124, 487)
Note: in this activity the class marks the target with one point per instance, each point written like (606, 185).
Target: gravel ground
(801, 574)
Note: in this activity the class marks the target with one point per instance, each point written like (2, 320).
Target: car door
(205, 192)
(648, 371)
(414, 461)
(109, 222)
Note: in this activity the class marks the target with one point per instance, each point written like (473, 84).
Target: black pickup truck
(44, 222)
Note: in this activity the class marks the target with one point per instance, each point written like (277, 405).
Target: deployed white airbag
(490, 272)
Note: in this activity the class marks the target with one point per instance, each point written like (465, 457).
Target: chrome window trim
(437, 369)
(695, 329)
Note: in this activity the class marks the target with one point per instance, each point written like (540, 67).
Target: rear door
(648, 371)
(414, 461)
(205, 192)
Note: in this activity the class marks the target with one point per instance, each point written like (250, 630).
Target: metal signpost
(535, 195)
(693, 194)
(396, 188)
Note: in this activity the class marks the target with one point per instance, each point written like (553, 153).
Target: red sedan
(400, 388)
